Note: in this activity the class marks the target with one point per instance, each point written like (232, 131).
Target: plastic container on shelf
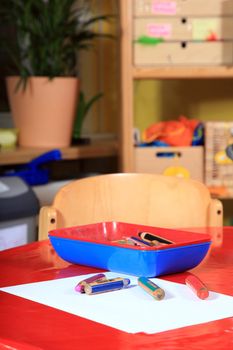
(19, 208)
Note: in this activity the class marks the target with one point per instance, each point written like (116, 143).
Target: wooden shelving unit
(94, 150)
(219, 72)
(129, 73)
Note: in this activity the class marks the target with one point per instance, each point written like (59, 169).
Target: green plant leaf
(49, 34)
(82, 111)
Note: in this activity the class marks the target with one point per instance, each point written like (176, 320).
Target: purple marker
(140, 241)
(80, 286)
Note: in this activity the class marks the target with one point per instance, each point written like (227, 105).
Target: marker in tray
(153, 289)
(153, 239)
(133, 241)
(141, 242)
(80, 286)
(106, 286)
(125, 240)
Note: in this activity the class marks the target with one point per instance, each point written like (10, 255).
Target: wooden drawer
(181, 161)
(183, 53)
(182, 7)
(180, 28)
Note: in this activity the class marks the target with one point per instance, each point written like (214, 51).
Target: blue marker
(106, 286)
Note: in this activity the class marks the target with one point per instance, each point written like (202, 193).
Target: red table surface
(28, 325)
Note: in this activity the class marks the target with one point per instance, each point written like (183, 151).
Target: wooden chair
(147, 199)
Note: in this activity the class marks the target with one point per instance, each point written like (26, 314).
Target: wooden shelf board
(218, 72)
(96, 149)
(225, 198)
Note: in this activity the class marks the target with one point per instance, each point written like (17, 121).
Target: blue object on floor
(32, 173)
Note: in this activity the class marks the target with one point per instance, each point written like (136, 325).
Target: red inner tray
(107, 232)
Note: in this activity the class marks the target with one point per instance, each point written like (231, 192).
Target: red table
(28, 325)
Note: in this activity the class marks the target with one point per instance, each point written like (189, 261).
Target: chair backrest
(148, 199)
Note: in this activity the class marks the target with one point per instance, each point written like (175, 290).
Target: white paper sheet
(131, 310)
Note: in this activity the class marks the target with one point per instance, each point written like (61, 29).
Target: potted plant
(44, 89)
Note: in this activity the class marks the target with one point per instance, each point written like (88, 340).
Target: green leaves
(49, 34)
(82, 111)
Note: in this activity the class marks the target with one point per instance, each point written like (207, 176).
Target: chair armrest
(47, 221)
(215, 213)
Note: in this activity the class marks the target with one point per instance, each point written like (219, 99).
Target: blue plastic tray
(92, 245)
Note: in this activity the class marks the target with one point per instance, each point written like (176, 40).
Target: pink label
(163, 8)
(161, 30)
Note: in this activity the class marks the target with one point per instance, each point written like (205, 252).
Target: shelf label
(164, 8)
(161, 30)
(205, 29)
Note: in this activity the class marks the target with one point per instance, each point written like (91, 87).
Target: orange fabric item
(173, 132)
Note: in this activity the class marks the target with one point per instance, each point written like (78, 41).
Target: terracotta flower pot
(44, 112)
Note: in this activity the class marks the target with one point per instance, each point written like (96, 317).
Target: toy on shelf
(172, 148)
(219, 158)
(181, 132)
(8, 137)
(34, 173)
